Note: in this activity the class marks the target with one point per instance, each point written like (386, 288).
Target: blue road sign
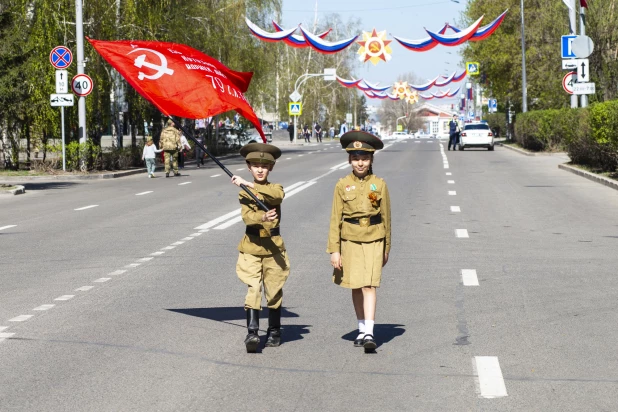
(493, 104)
(61, 57)
(567, 50)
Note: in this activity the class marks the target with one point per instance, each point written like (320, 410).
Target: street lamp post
(397, 121)
(329, 74)
(524, 85)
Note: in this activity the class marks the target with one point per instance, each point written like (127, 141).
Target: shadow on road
(48, 185)
(237, 313)
(383, 332)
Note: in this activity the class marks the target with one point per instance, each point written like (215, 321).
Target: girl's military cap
(260, 153)
(358, 141)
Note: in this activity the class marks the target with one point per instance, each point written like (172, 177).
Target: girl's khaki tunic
(362, 247)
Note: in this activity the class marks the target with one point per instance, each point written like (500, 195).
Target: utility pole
(81, 101)
(573, 30)
(524, 85)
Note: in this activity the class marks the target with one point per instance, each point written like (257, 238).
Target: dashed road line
(185, 183)
(21, 318)
(217, 175)
(7, 227)
(86, 207)
(452, 193)
(44, 307)
(449, 174)
(238, 170)
(159, 253)
(132, 265)
(177, 243)
(469, 277)
(116, 272)
(450, 182)
(65, 297)
(461, 233)
(490, 381)
(143, 193)
(455, 209)
(3, 328)
(102, 280)
(84, 289)
(288, 158)
(168, 248)
(196, 234)
(187, 238)
(4, 336)
(145, 259)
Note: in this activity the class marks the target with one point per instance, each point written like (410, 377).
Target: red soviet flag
(178, 79)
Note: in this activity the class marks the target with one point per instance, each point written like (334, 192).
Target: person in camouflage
(170, 143)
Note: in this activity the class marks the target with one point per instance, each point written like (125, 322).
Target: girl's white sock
(361, 329)
(369, 327)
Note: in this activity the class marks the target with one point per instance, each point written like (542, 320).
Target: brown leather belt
(254, 231)
(365, 221)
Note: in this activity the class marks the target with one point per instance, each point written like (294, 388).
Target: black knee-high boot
(274, 327)
(253, 325)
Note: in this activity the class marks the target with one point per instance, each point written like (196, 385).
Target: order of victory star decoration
(401, 90)
(374, 47)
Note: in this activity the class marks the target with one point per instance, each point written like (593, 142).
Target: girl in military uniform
(262, 260)
(359, 239)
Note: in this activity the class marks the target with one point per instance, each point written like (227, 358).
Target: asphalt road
(500, 293)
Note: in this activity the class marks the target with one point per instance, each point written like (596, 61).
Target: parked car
(400, 135)
(476, 135)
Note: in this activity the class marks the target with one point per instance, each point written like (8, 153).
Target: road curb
(590, 176)
(19, 190)
(528, 153)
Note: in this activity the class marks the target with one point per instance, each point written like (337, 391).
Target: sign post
(61, 58)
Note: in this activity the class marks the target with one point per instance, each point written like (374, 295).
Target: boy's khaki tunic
(362, 247)
(263, 258)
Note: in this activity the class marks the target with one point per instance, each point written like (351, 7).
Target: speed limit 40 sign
(81, 85)
(568, 81)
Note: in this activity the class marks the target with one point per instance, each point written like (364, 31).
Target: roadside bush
(589, 135)
(497, 123)
(120, 158)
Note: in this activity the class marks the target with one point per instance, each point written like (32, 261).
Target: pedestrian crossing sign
(295, 108)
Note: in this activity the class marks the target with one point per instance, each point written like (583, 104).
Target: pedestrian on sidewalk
(199, 153)
(318, 132)
(359, 239)
(170, 143)
(150, 149)
(184, 146)
(291, 132)
(307, 133)
(262, 260)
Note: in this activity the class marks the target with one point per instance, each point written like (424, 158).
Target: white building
(435, 119)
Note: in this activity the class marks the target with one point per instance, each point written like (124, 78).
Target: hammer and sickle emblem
(140, 61)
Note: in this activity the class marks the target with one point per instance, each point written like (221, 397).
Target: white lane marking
(300, 155)
(452, 193)
(116, 273)
(145, 259)
(196, 234)
(143, 193)
(157, 253)
(449, 174)
(65, 297)
(290, 187)
(455, 209)
(218, 220)
(461, 233)
(101, 280)
(187, 238)
(132, 265)
(4, 336)
(20, 318)
(288, 158)
(168, 248)
(310, 153)
(238, 170)
(44, 307)
(339, 166)
(204, 230)
(230, 222)
(299, 189)
(450, 182)
(177, 243)
(216, 175)
(3, 328)
(324, 149)
(446, 166)
(86, 207)
(7, 227)
(84, 289)
(490, 381)
(184, 183)
(345, 166)
(469, 277)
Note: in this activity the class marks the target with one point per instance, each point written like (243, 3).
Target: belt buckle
(264, 233)
(363, 222)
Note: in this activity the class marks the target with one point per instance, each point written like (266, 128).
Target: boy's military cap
(260, 153)
(358, 141)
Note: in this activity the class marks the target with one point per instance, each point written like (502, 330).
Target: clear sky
(403, 18)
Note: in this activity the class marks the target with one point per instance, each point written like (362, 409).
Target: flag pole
(225, 169)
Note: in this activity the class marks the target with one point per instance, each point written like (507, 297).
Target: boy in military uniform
(170, 143)
(359, 239)
(262, 259)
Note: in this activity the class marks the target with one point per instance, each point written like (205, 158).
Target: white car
(476, 135)
(400, 135)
